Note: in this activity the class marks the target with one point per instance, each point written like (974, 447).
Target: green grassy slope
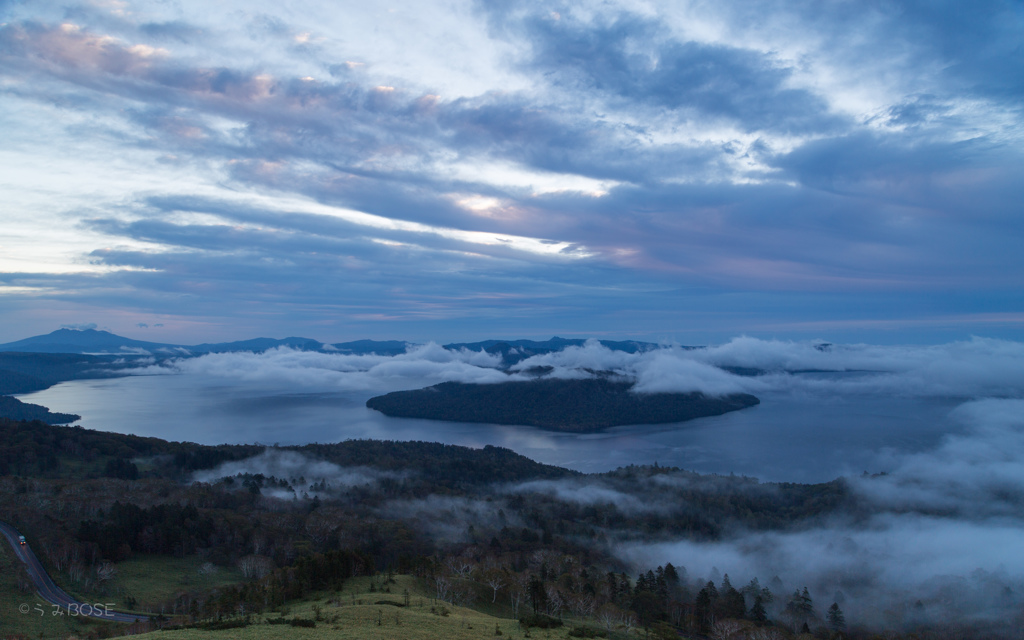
(356, 613)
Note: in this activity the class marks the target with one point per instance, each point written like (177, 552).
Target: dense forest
(555, 404)
(473, 524)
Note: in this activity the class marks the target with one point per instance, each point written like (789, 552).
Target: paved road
(53, 594)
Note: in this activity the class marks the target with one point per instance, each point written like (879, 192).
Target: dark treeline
(27, 372)
(41, 450)
(165, 529)
(691, 505)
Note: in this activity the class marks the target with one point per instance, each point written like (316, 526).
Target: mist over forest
(925, 541)
(783, 239)
(938, 526)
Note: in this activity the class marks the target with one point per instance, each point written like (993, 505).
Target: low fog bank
(288, 370)
(934, 540)
(978, 475)
(288, 474)
(451, 519)
(975, 368)
(937, 538)
(586, 491)
(945, 528)
(978, 367)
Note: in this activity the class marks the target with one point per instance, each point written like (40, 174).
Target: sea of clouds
(944, 527)
(975, 368)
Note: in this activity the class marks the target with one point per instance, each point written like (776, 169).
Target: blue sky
(684, 171)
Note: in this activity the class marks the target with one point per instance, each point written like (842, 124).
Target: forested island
(555, 404)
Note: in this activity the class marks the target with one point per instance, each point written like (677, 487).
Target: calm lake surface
(792, 436)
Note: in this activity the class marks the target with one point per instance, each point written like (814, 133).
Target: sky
(443, 170)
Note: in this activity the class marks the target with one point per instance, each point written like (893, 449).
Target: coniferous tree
(752, 589)
(712, 591)
(625, 588)
(671, 575)
(800, 606)
(836, 619)
(806, 604)
(757, 612)
(613, 586)
(703, 609)
(732, 604)
(661, 584)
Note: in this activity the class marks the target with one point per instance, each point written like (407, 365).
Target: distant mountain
(91, 341)
(380, 347)
(87, 341)
(257, 344)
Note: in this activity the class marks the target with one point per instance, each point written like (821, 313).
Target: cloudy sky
(452, 170)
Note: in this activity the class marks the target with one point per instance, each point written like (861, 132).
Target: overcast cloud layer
(676, 170)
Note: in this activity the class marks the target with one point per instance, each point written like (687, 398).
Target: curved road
(53, 594)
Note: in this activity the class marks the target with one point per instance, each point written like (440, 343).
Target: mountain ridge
(99, 342)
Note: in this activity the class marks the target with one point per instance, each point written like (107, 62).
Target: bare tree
(207, 568)
(66, 554)
(581, 605)
(555, 602)
(443, 586)
(726, 630)
(76, 571)
(463, 595)
(628, 620)
(609, 615)
(320, 527)
(259, 543)
(255, 566)
(105, 571)
(458, 566)
(495, 580)
(517, 590)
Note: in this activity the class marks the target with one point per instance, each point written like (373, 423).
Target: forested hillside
(471, 525)
(15, 409)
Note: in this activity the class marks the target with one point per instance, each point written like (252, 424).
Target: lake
(791, 436)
